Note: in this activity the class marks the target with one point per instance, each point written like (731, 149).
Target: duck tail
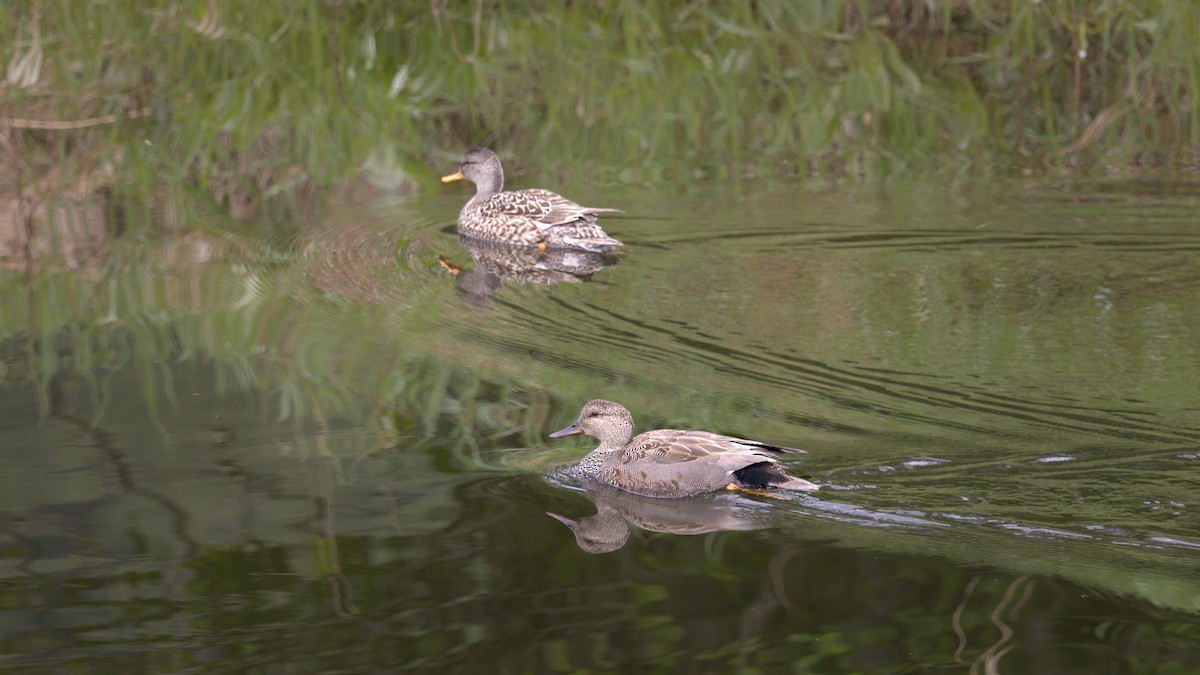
(793, 483)
(769, 475)
(592, 244)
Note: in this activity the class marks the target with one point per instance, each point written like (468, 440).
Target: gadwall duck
(673, 462)
(538, 218)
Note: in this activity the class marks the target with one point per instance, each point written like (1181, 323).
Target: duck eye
(595, 414)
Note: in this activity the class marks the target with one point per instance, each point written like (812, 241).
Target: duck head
(609, 422)
(482, 167)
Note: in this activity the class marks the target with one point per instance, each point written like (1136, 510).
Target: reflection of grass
(254, 97)
(266, 332)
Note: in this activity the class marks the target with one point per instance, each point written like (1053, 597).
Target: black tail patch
(762, 475)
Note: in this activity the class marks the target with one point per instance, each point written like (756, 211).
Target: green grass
(234, 98)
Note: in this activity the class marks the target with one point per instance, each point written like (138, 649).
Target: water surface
(313, 447)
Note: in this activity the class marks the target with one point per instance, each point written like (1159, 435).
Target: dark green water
(310, 448)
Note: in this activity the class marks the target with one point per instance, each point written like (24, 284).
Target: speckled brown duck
(674, 462)
(534, 217)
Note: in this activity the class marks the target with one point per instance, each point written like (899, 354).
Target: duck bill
(457, 175)
(569, 431)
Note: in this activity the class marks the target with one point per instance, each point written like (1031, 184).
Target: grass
(236, 98)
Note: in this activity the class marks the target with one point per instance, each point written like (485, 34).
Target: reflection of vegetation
(425, 603)
(304, 339)
(258, 97)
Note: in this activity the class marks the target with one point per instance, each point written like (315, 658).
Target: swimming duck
(674, 462)
(535, 217)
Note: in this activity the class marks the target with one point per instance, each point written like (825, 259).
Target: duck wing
(537, 217)
(554, 209)
(676, 463)
(520, 203)
(672, 446)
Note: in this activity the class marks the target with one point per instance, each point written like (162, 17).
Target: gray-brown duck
(674, 462)
(534, 217)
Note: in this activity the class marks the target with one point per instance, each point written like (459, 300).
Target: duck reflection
(494, 263)
(608, 529)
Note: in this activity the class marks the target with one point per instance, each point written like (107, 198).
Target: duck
(533, 217)
(675, 462)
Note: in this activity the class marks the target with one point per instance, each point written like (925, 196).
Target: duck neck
(603, 458)
(489, 184)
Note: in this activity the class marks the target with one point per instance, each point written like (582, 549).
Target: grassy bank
(251, 98)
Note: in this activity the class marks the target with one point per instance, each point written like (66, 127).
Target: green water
(310, 447)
